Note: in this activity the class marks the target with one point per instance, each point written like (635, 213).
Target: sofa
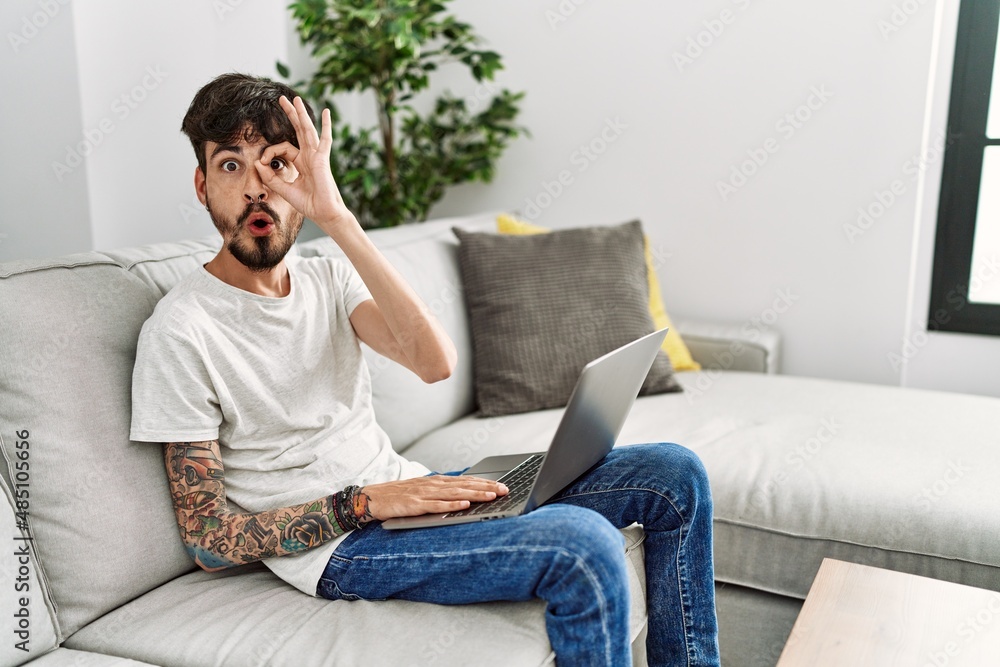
(800, 469)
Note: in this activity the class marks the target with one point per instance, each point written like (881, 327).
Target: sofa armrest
(735, 347)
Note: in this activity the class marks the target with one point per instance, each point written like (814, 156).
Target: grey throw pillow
(542, 306)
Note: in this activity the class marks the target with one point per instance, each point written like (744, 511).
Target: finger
(477, 495)
(434, 507)
(285, 150)
(287, 153)
(481, 483)
(293, 116)
(307, 129)
(463, 481)
(326, 134)
(305, 132)
(460, 479)
(271, 180)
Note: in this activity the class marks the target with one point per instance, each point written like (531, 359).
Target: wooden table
(861, 616)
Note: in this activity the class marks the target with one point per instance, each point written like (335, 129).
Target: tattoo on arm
(359, 505)
(218, 538)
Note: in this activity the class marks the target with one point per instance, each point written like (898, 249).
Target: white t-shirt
(279, 381)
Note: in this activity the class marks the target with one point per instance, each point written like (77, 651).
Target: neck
(274, 282)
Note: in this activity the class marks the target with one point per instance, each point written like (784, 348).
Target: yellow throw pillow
(673, 345)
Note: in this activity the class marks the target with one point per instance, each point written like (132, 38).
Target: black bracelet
(343, 514)
(347, 507)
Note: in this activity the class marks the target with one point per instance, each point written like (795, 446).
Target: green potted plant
(395, 172)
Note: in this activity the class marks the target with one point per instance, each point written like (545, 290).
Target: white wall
(92, 110)
(140, 65)
(41, 214)
(677, 132)
(688, 126)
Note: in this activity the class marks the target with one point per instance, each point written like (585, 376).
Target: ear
(200, 187)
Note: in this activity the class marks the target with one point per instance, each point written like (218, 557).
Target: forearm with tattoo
(218, 538)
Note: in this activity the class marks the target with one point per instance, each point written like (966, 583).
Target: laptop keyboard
(518, 482)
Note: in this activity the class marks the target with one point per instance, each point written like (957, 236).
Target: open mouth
(260, 224)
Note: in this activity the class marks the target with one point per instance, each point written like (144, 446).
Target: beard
(258, 253)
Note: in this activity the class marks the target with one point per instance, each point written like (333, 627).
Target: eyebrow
(233, 149)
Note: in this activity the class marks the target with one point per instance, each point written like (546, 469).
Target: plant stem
(388, 139)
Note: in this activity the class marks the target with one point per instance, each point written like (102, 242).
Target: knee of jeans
(696, 472)
(589, 536)
(600, 548)
(687, 466)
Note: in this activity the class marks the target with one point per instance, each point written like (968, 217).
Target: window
(965, 287)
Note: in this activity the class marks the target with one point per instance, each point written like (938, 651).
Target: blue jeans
(570, 553)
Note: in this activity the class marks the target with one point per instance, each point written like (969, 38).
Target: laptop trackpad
(495, 467)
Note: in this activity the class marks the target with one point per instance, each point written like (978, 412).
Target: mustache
(258, 207)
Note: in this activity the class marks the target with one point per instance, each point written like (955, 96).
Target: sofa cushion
(542, 306)
(65, 657)
(25, 604)
(673, 344)
(732, 347)
(100, 509)
(256, 619)
(803, 469)
(426, 256)
(161, 265)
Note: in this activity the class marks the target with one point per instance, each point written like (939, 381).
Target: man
(250, 373)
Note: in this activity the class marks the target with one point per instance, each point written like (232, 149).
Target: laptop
(593, 418)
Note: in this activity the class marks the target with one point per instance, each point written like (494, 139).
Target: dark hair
(234, 106)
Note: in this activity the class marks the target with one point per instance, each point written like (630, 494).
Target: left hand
(312, 192)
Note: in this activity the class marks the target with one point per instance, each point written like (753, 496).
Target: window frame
(975, 48)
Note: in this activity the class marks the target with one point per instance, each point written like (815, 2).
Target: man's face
(258, 227)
